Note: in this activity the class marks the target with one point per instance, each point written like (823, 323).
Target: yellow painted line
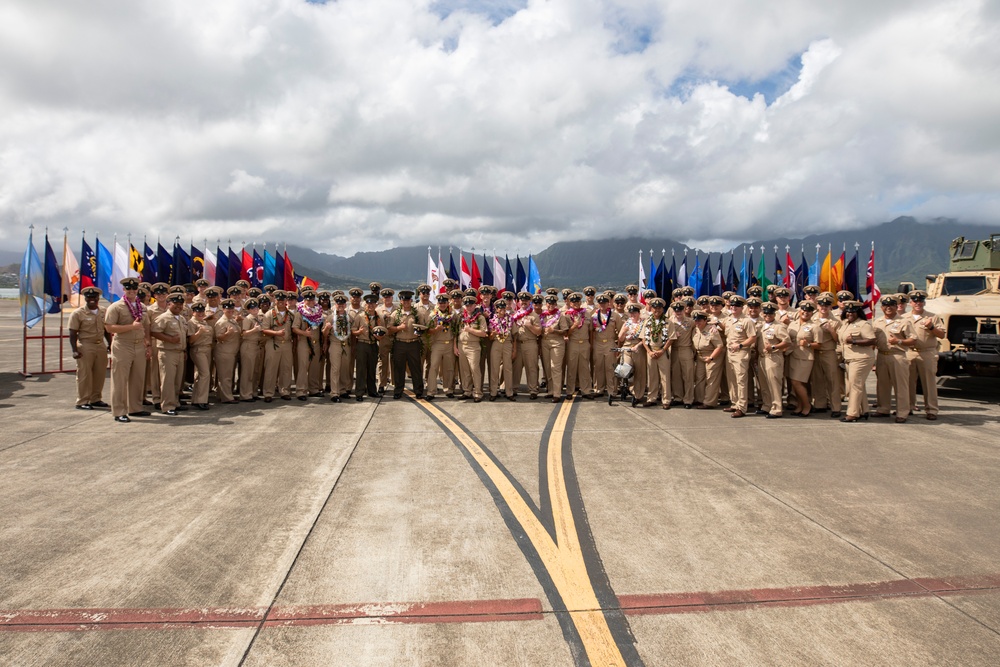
(563, 558)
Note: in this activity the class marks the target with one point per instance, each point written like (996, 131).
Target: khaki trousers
(772, 370)
(553, 352)
(637, 360)
(309, 371)
(338, 357)
(442, 364)
(604, 366)
(658, 374)
(739, 369)
(153, 378)
(277, 369)
(857, 375)
(501, 360)
(225, 373)
(892, 374)
(526, 362)
(128, 375)
(347, 370)
(923, 365)
(578, 378)
(708, 377)
(171, 374)
(248, 369)
(201, 358)
(469, 355)
(824, 382)
(91, 368)
(682, 373)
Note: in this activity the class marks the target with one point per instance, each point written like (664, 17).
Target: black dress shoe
(533, 397)
(687, 406)
(760, 412)
(286, 398)
(429, 397)
(335, 399)
(449, 395)
(834, 415)
(85, 406)
(201, 406)
(180, 408)
(123, 419)
(819, 411)
(374, 395)
(492, 398)
(396, 397)
(556, 399)
(477, 399)
(100, 404)
(512, 398)
(345, 394)
(302, 398)
(156, 406)
(141, 413)
(359, 399)
(145, 402)
(268, 399)
(770, 416)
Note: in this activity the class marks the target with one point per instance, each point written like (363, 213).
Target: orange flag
(824, 274)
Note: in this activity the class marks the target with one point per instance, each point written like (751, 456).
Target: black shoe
(201, 406)
(477, 399)
(145, 402)
(180, 408)
(286, 398)
(587, 397)
(533, 397)
(156, 406)
(492, 398)
(819, 411)
(463, 397)
(429, 397)
(834, 415)
(359, 399)
(335, 399)
(346, 394)
(396, 397)
(100, 404)
(141, 413)
(881, 415)
(85, 406)
(374, 395)
(760, 412)
(556, 399)
(268, 399)
(770, 416)
(512, 398)
(449, 395)
(123, 419)
(687, 406)
(170, 412)
(302, 398)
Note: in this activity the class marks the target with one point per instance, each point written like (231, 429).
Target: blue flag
(105, 265)
(164, 265)
(258, 270)
(279, 269)
(32, 286)
(651, 280)
(149, 269)
(508, 275)
(742, 286)
(664, 281)
(182, 265)
(801, 278)
(197, 263)
(706, 277)
(88, 266)
(221, 269)
(779, 273)
(268, 268)
(851, 276)
(732, 280)
(235, 267)
(522, 277)
(487, 278)
(53, 278)
(695, 280)
(534, 279)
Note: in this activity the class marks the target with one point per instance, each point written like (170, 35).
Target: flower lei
(441, 318)
(397, 316)
(549, 318)
(595, 319)
(521, 313)
(501, 325)
(135, 312)
(313, 316)
(632, 329)
(474, 320)
(654, 329)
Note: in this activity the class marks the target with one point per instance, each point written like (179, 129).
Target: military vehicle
(967, 297)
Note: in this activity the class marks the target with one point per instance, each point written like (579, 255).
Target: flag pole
(65, 297)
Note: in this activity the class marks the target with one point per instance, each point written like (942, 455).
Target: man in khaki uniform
(277, 324)
(441, 331)
(251, 335)
(527, 329)
(928, 329)
(502, 351)
(772, 341)
(89, 342)
(578, 378)
(657, 337)
(306, 326)
(555, 326)
(741, 335)
(385, 371)
(405, 325)
(682, 356)
(337, 337)
(367, 328)
(472, 329)
(201, 340)
(170, 331)
(709, 358)
(826, 379)
(894, 335)
(159, 292)
(227, 350)
(605, 323)
(128, 321)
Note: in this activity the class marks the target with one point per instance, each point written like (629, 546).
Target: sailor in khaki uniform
(89, 342)
(682, 355)
(278, 345)
(657, 337)
(630, 339)
(158, 306)
(555, 326)
(706, 339)
(367, 328)
(578, 378)
(894, 335)
(502, 351)
(250, 338)
(201, 340)
(928, 329)
(772, 341)
(385, 369)
(170, 330)
(857, 340)
(337, 334)
(442, 327)
(227, 351)
(825, 382)
(527, 329)
(741, 335)
(128, 321)
(306, 324)
(405, 324)
(472, 329)
(604, 325)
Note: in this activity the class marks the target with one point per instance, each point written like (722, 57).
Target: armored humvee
(967, 297)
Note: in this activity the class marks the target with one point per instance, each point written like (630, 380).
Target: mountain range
(904, 250)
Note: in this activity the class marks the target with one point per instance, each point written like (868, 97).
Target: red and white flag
(874, 294)
(441, 272)
(789, 278)
(466, 277)
(433, 278)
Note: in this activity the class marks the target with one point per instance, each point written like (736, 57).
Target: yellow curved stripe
(562, 558)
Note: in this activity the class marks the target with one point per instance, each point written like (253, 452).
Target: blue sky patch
(497, 11)
(772, 86)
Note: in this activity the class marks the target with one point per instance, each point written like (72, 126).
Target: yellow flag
(824, 274)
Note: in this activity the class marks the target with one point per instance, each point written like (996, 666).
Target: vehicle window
(959, 285)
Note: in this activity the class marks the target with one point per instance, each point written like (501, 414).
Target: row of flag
(506, 277)
(832, 274)
(45, 286)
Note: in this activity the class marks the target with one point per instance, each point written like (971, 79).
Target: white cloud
(362, 124)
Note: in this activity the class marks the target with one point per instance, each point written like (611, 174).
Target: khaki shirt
(579, 334)
(118, 314)
(446, 321)
(861, 330)
(706, 341)
(684, 328)
(925, 339)
(660, 339)
(479, 323)
(171, 325)
(275, 321)
(525, 335)
(610, 333)
(408, 319)
(249, 322)
(224, 326)
(738, 330)
(206, 339)
(366, 324)
(799, 331)
(827, 336)
(771, 333)
(900, 327)
(88, 325)
(340, 328)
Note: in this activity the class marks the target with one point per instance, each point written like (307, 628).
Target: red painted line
(472, 611)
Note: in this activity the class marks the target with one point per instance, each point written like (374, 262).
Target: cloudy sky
(367, 124)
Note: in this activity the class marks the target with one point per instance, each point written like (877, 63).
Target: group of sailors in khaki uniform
(748, 354)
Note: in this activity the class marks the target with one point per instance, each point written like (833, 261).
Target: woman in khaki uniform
(250, 337)
(472, 330)
(527, 329)
(604, 324)
(201, 338)
(555, 326)
(772, 341)
(802, 333)
(227, 350)
(826, 378)
(709, 358)
(306, 325)
(278, 362)
(128, 321)
(741, 336)
(657, 337)
(442, 327)
(630, 338)
(502, 351)
(857, 341)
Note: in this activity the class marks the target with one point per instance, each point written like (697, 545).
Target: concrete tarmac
(405, 533)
